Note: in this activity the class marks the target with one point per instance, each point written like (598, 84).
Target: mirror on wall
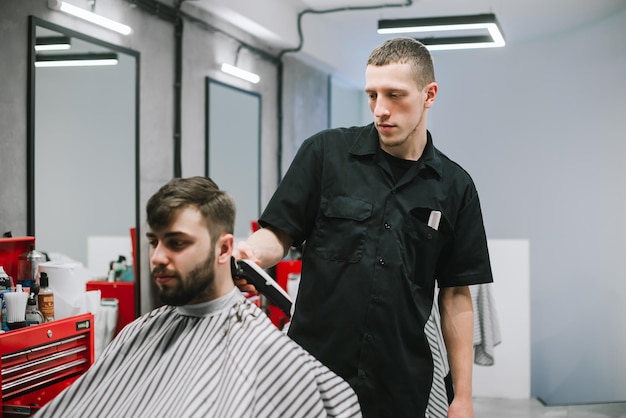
(83, 147)
(233, 141)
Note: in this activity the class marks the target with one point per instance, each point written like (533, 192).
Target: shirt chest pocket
(342, 228)
(422, 245)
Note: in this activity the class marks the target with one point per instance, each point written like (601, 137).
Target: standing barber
(384, 215)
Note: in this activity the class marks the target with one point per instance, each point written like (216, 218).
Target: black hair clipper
(263, 282)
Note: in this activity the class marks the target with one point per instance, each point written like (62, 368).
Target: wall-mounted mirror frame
(233, 148)
(92, 182)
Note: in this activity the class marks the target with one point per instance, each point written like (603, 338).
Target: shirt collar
(367, 144)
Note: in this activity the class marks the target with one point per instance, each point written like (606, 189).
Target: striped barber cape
(222, 358)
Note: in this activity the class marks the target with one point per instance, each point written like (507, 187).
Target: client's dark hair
(216, 206)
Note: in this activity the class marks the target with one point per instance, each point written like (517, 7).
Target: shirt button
(376, 299)
(429, 236)
(381, 261)
(362, 375)
(387, 226)
(369, 337)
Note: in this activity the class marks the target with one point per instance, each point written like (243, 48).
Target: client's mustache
(162, 271)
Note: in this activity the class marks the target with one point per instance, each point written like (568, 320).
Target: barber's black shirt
(370, 260)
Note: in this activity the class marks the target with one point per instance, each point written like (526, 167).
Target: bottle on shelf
(45, 298)
(28, 267)
(5, 286)
(117, 269)
(33, 315)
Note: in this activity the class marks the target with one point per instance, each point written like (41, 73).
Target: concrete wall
(348, 104)
(305, 106)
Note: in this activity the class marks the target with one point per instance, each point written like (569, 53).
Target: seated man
(208, 352)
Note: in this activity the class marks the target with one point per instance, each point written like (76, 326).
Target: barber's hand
(461, 408)
(243, 250)
(244, 286)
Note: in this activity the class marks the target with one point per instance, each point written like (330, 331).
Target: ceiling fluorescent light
(89, 16)
(238, 72)
(75, 60)
(52, 43)
(486, 23)
(457, 42)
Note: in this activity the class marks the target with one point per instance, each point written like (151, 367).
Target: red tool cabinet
(10, 251)
(39, 361)
(124, 292)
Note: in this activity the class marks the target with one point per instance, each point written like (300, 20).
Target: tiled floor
(532, 408)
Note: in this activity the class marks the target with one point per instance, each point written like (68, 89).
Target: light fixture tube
(89, 16)
(458, 42)
(75, 60)
(52, 43)
(238, 72)
(486, 22)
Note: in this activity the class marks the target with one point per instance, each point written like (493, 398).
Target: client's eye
(176, 244)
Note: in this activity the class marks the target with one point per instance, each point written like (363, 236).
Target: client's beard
(197, 282)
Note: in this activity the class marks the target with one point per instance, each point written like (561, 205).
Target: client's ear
(224, 248)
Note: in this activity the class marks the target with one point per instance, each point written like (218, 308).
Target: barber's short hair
(406, 51)
(216, 206)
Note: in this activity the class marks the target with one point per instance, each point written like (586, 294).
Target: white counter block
(509, 377)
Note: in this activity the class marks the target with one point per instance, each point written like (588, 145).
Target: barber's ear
(225, 248)
(431, 90)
